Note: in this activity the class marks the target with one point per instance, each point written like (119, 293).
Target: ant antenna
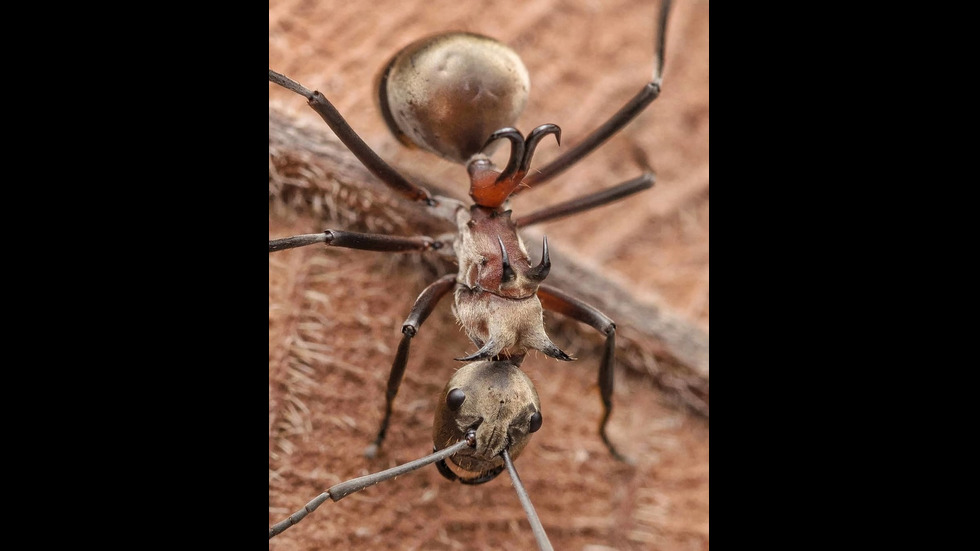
(344, 489)
(539, 534)
(660, 45)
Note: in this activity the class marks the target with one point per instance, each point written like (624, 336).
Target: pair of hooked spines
(536, 274)
(498, 340)
(522, 149)
(487, 352)
(490, 351)
(488, 188)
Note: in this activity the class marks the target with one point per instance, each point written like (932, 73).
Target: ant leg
(361, 150)
(423, 307)
(557, 301)
(628, 112)
(587, 202)
(354, 240)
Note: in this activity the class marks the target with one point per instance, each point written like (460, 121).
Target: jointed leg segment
(557, 301)
(420, 311)
(361, 150)
(621, 118)
(587, 202)
(355, 240)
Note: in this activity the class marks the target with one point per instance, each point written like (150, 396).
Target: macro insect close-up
(437, 273)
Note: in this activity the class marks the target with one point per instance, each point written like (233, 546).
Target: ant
(456, 95)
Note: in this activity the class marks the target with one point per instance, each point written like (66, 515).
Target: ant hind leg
(557, 301)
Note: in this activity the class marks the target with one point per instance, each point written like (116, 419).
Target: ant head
(498, 401)
(447, 93)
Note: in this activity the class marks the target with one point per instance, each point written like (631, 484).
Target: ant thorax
(480, 257)
(496, 298)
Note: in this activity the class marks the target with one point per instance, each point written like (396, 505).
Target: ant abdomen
(449, 92)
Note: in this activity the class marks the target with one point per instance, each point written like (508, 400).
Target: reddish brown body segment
(480, 258)
(486, 190)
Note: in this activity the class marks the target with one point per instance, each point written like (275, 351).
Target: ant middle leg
(356, 240)
(557, 301)
(589, 201)
(424, 305)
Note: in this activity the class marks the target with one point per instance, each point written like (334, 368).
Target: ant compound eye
(455, 399)
(536, 421)
(449, 92)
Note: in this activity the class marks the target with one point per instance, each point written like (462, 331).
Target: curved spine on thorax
(480, 257)
(496, 298)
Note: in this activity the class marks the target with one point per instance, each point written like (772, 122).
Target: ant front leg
(557, 301)
(621, 118)
(420, 311)
(587, 202)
